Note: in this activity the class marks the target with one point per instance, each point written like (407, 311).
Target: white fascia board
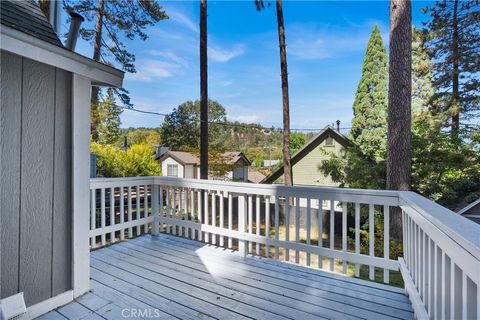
(27, 46)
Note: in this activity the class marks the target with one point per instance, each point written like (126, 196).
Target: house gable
(305, 162)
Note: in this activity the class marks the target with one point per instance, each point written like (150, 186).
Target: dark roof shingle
(26, 16)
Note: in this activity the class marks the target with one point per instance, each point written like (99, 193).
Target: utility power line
(231, 124)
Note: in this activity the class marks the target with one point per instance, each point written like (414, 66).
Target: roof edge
(298, 155)
(25, 45)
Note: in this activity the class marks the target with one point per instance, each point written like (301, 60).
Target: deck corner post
(155, 223)
(242, 223)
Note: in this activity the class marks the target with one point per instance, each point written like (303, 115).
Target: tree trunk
(96, 56)
(399, 151)
(287, 171)
(455, 76)
(203, 92)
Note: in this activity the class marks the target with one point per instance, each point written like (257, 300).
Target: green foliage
(297, 140)
(143, 136)
(370, 106)
(109, 116)
(136, 161)
(446, 56)
(181, 128)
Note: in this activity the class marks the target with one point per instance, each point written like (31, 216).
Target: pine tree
(114, 21)
(370, 106)
(455, 34)
(422, 77)
(109, 114)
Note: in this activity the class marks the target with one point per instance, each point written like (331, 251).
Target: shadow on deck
(166, 277)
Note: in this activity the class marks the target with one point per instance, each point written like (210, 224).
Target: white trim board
(80, 184)
(47, 305)
(27, 46)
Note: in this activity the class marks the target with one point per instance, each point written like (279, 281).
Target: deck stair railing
(313, 226)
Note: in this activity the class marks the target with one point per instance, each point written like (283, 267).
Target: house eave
(27, 46)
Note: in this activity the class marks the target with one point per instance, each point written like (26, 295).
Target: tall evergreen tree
(370, 105)
(109, 114)
(108, 23)
(287, 165)
(422, 78)
(455, 36)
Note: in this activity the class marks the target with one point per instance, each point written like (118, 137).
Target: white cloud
(215, 53)
(150, 70)
(311, 42)
(169, 55)
(183, 19)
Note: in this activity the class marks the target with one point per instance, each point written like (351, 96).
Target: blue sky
(326, 42)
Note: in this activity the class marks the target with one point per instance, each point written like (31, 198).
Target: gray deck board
(179, 278)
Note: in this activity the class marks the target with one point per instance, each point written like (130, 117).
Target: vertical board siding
(37, 181)
(10, 135)
(62, 197)
(36, 188)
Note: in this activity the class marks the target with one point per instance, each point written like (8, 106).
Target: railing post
(155, 223)
(242, 223)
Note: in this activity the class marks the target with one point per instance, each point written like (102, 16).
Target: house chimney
(161, 151)
(76, 21)
(55, 15)
(338, 125)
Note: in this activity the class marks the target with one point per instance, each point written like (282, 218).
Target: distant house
(183, 164)
(471, 211)
(255, 177)
(306, 161)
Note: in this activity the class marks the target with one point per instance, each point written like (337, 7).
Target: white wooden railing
(283, 223)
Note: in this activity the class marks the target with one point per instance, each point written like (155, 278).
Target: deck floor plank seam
(298, 294)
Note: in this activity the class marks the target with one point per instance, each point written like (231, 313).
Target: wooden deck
(166, 277)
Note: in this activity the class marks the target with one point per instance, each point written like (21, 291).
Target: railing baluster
(112, 213)
(437, 291)
(267, 225)
(145, 207)
(230, 209)
(332, 232)
(161, 218)
(287, 227)
(214, 216)
(344, 234)
(309, 227)
(277, 221)
(102, 215)
(129, 210)
(93, 216)
(206, 215)
(122, 212)
(257, 223)
(431, 279)
(154, 205)
(180, 212)
(320, 231)
(222, 214)
(137, 207)
(386, 240)
(192, 213)
(185, 213)
(242, 217)
(357, 236)
(169, 211)
(445, 285)
(174, 211)
(297, 228)
(250, 217)
(199, 214)
(424, 268)
(371, 238)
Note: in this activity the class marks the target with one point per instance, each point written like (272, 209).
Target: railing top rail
(119, 182)
(314, 192)
(464, 232)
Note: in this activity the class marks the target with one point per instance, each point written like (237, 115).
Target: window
(172, 170)
(329, 141)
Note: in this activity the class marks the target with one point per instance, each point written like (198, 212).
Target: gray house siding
(35, 193)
